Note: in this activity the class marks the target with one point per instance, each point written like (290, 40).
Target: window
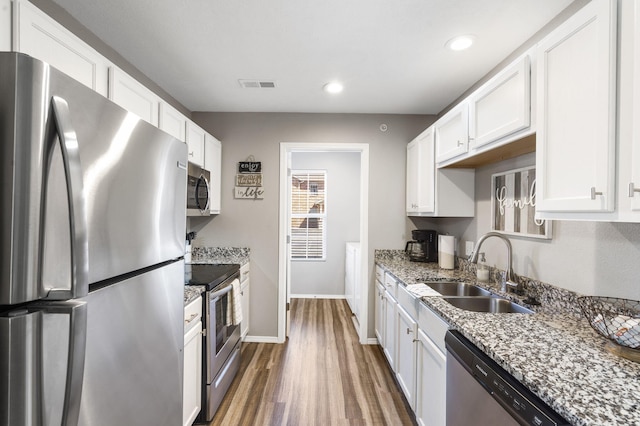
(308, 214)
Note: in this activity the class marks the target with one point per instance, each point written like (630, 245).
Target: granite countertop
(214, 255)
(192, 292)
(554, 352)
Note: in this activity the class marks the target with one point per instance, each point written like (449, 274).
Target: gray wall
(594, 258)
(343, 222)
(254, 224)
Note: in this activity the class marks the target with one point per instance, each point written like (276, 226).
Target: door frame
(284, 262)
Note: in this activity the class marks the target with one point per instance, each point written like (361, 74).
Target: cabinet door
(431, 404)
(575, 149)
(502, 106)
(406, 339)
(172, 121)
(213, 163)
(195, 141)
(244, 301)
(191, 396)
(389, 346)
(452, 133)
(379, 312)
(127, 92)
(5, 25)
(37, 35)
(421, 174)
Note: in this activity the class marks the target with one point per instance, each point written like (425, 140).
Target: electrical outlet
(468, 248)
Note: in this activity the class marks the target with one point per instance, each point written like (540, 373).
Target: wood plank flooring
(321, 376)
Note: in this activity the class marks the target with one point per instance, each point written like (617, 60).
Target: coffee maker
(424, 247)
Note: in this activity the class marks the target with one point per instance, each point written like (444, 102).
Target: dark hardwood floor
(321, 376)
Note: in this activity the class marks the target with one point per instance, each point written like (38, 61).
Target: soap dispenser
(482, 271)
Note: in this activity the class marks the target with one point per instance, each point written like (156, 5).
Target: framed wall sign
(513, 204)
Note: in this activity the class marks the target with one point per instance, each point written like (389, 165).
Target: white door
(406, 339)
(431, 404)
(452, 133)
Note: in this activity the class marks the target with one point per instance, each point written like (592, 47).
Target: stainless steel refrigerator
(92, 226)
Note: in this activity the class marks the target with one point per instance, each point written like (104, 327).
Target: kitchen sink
(487, 304)
(453, 288)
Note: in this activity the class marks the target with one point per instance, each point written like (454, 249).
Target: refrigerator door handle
(75, 196)
(75, 364)
(22, 366)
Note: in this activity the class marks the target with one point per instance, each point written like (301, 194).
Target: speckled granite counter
(192, 292)
(214, 255)
(554, 352)
(238, 255)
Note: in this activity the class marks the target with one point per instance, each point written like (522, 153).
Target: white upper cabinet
(213, 163)
(502, 106)
(43, 38)
(172, 121)
(421, 173)
(195, 142)
(632, 201)
(576, 112)
(133, 96)
(435, 192)
(452, 133)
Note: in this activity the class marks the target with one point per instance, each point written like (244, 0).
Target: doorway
(287, 152)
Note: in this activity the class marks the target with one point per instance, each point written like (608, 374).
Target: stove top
(209, 275)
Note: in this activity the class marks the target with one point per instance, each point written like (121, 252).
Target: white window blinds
(308, 214)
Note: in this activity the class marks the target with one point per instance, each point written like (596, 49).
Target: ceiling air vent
(257, 84)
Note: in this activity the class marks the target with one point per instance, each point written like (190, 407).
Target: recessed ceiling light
(333, 87)
(461, 42)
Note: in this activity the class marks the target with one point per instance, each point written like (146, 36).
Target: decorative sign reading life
(513, 204)
(249, 181)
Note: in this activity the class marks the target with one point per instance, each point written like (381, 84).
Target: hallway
(320, 376)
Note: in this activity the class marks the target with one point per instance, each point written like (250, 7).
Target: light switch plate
(468, 248)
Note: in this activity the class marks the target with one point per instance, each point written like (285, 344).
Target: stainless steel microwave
(197, 191)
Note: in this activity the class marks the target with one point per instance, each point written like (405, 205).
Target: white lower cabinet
(244, 299)
(406, 331)
(389, 345)
(431, 386)
(192, 382)
(380, 314)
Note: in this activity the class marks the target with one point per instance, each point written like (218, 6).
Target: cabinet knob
(632, 190)
(191, 154)
(459, 143)
(409, 331)
(594, 193)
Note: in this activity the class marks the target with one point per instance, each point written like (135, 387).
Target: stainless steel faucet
(507, 280)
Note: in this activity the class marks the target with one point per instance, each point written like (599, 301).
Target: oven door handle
(219, 293)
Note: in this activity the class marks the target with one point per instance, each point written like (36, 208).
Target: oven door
(222, 335)
(197, 191)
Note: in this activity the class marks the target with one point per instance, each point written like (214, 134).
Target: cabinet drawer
(432, 325)
(408, 301)
(192, 314)
(244, 272)
(390, 284)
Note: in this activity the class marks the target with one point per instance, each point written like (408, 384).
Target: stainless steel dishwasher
(481, 393)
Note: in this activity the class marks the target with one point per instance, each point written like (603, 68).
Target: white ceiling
(389, 54)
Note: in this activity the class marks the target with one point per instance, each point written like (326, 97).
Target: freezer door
(42, 364)
(133, 368)
(80, 176)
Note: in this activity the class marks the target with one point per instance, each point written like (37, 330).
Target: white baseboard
(260, 339)
(317, 296)
(372, 341)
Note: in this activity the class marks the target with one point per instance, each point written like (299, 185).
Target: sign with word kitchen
(249, 181)
(513, 204)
